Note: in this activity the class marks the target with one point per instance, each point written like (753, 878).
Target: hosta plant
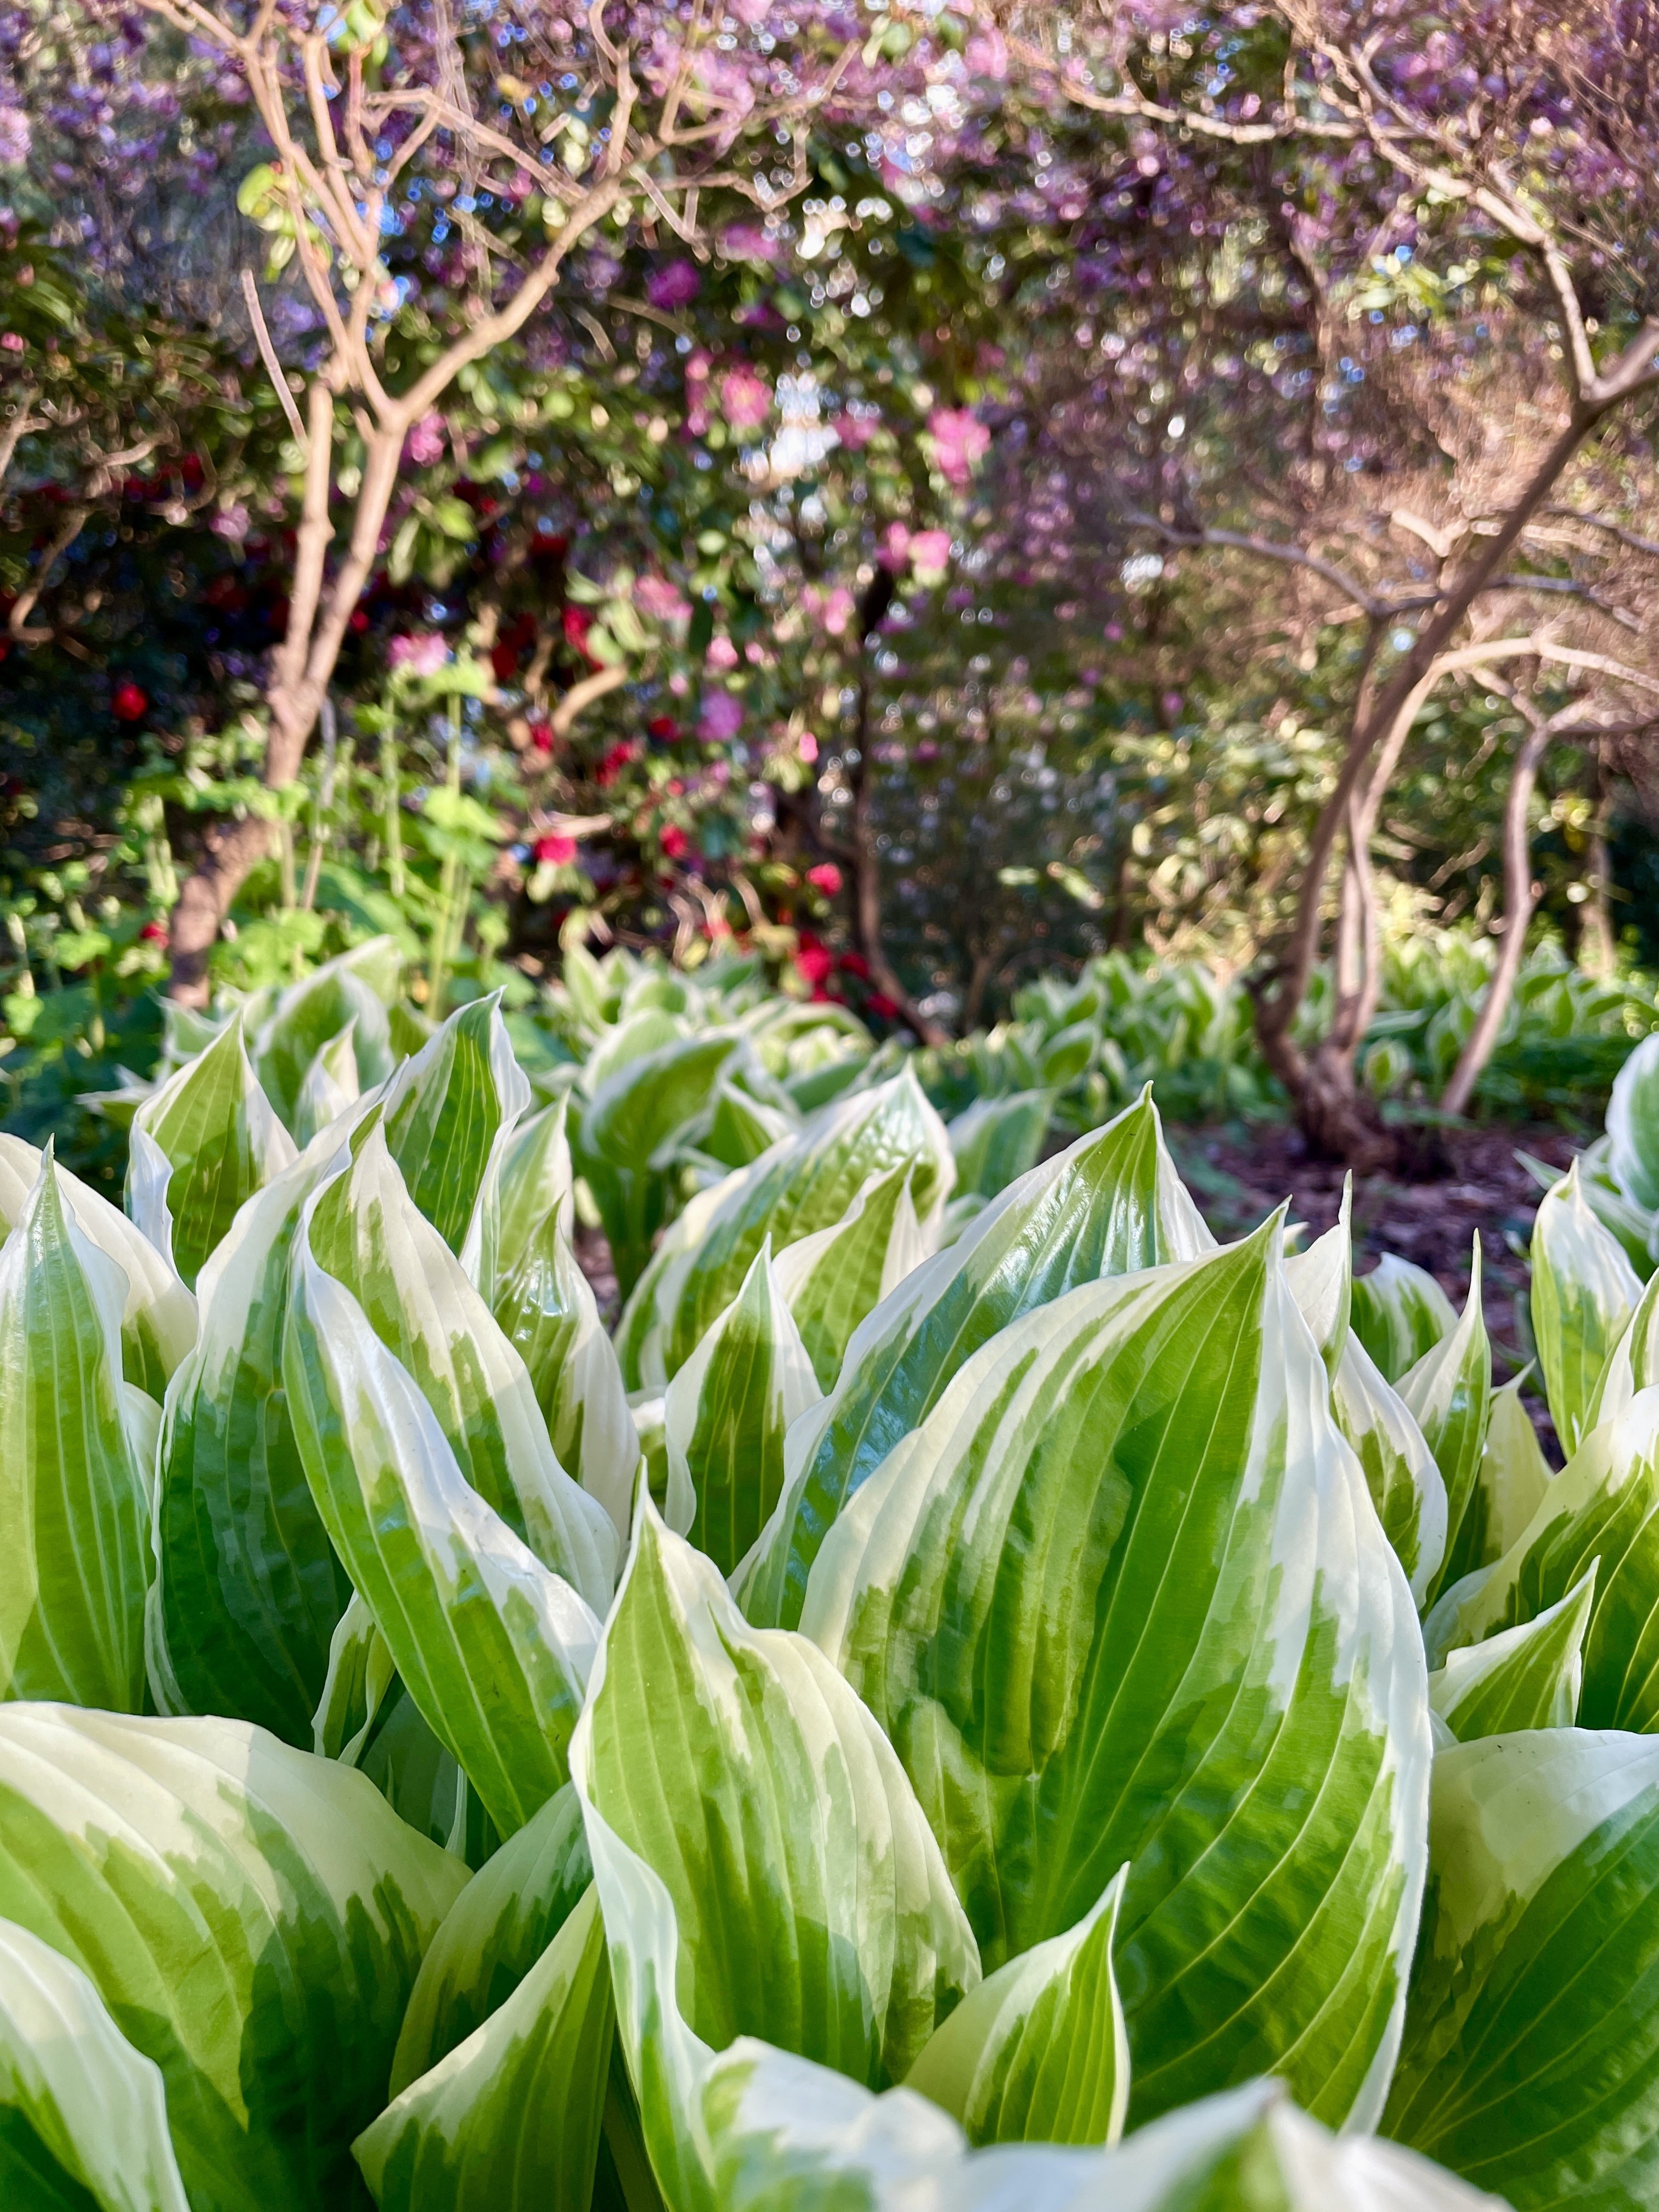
(971, 1694)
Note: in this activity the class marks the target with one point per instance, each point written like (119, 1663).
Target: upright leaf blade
(1447, 1392)
(1584, 1293)
(1633, 1125)
(1405, 1484)
(331, 1085)
(1528, 1677)
(348, 995)
(1111, 1204)
(634, 1112)
(832, 1279)
(997, 1140)
(449, 1116)
(1122, 1595)
(74, 1489)
(537, 1180)
(1400, 1313)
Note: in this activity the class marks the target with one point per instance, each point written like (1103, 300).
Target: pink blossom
(721, 718)
(722, 654)
(749, 241)
(855, 431)
(697, 368)
(675, 285)
(930, 554)
(746, 398)
(839, 607)
(752, 12)
(231, 523)
(557, 852)
(659, 600)
(422, 653)
(986, 54)
(808, 749)
(961, 441)
(426, 440)
(896, 546)
(826, 877)
(13, 137)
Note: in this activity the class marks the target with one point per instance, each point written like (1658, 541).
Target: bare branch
(268, 355)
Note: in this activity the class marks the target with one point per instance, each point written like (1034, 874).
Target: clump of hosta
(973, 1695)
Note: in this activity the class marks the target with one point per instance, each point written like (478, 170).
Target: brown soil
(1238, 1178)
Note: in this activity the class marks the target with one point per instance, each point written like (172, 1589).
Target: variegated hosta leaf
(509, 2120)
(1522, 1678)
(632, 1113)
(1447, 1392)
(1110, 1204)
(1399, 1312)
(537, 1180)
(725, 1411)
(833, 1278)
(1514, 1472)
(449, 1116)
(493, 1647)
(364, 1230)
(803, 1184)
(736, 1128)
(493, 1935)
(349, 993)
(1603, 1505)
(74, 1496)
(1405, 1484)
(1633, 1362)
(997, 1140)
(1530, 2064)
(247, 1588)
(221, 1141)
(811, 1900)
(360, 1675)
(158, 1316)
(1583, 1292)
(546, 1307)
(1122, 1596)
(253, 1917)
(366, 1719)
(1321, 1283)
(332, 1084)
(1633, 1125)
(1037, 2053)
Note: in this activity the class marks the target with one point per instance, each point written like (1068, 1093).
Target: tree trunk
(1520, 898)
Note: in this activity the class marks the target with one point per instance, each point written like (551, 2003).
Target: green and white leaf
(1405, 1484)
(365, 1232)
(81, 2111)
(537, 1180)
(810, 1898)
(544, 1305)
(832, 1279)
(632, 1115)
(1399, 1312)
(158, 1317)
(450, 1113)
(1530, 2065)
(493, 1647)
(247, 1589)
(1038, 2052)
(996, 1140)
(252, 1916)
(508, 2121)
(1528, 1677)
(1514, 1472)
(807, 1183)
(1584, 1293)
(500, 1925)
(726, 1412)
(331, 1085)
(1110, 1204)
(349, 995)
(1321, 1283)
(360, 1677)
(1633, 1125)
(1447, 1392)
(222, 1141)
(74, 1498)
(1122, 1595)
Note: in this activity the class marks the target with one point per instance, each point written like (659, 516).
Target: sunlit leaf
(1399, 1312)
(1522, 1678)
(1583, 1292)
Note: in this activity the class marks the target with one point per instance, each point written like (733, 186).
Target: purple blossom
(721, 718)
(675, 285)
(421, 652)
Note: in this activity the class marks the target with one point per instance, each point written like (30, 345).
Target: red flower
(814, 961)
(878, 1004)
(153, 933)
(504, 661)
(613, 763)
(663, 728)
(559, 851)
(577, 623)
(359, 620)
(129, 704)
(826, 876)
(854, 964)
(674, 842)
(541, 736)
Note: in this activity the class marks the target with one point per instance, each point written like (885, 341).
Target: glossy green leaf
(508, 2121)
(537, 1180)
(493, 1935)
(544, 1305)
(635, 1111)
(83, 2117)
(158, 1315)
(1633, 1125)
(1584, 1293)
(832, 1279)
(807, 1183)
(1321, 1283)
(997, 1140)
(1038, 2052)
(1514, 1472)
(349, 995)
(1447, 1392)
(493, 1647)
(1528, 1677)
(332, 1083)
(247, 1589)
(365, 1232)
(450, 1113)
(1122, 1595)
(725, 1411)
(811, 1903)
(1399, 1312)
(360, 1672)
(1110, 1204)
(74, 1496)
(252, 1916)
(1530, 2064)
(1405, 1484)
(735, 1128)
(222, 1141)
(1604, 1505)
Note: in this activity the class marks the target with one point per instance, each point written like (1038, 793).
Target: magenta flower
(746, 398)
(721, 718)
(961, 441)
(930, 554)
(855, 431)
(748, 241)
(659, 600)
(426, 440)
(422, 652)
(722, 654)
(674, 285)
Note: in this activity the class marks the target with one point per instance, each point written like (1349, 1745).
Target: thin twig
(268, 355)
